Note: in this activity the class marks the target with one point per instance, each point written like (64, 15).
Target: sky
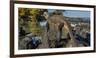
(74, 13)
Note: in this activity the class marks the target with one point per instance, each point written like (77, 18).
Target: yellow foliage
(21, 11)
(29, 26)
